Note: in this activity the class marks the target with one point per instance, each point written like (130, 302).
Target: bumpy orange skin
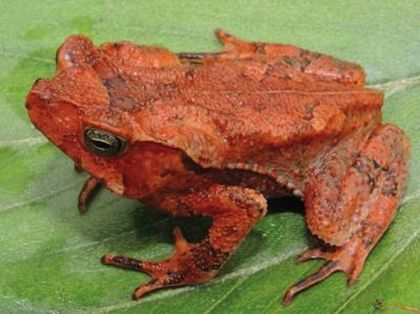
(216, 134)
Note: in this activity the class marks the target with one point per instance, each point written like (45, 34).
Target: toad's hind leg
(236, 48)
(323, 67)
(352, 211)
(234, 211)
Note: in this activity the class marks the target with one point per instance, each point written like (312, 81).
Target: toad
(217, 134)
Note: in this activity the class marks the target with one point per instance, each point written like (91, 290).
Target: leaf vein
(36, 59)
(23, 141)
(392, 87)
(225, 295)
(39, 198)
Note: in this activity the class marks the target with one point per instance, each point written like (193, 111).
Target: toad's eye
(103, 143)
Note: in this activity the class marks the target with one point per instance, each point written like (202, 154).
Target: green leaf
(49, 257)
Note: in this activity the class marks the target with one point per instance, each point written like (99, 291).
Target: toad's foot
(190, 264)
(348, 259)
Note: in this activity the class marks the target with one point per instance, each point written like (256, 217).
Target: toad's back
(226, 108)
(230, 111)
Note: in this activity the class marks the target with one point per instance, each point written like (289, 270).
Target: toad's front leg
(234, 211)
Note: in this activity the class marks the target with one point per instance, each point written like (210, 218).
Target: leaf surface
(49, 257)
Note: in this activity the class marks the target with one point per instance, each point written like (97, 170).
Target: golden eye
(103, 143)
